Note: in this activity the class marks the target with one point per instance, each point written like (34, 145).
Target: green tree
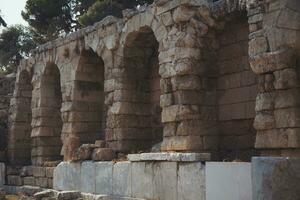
(102, 8)
(15, 44)
(49, 18)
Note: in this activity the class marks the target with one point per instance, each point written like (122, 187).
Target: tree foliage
(103, 8)
(50, 18)
(15, 44)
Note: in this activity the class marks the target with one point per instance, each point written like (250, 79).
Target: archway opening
(48, 121)
(88, 94)
(236, 89)
(141, 91)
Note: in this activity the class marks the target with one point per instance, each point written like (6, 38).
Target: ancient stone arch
(47, 118)
(137, 102)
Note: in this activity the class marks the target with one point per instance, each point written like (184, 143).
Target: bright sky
(11, 11)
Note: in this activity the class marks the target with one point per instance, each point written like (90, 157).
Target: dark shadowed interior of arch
(89, 95)
(236, 89)
(19, 141)
(143, 88)
(47, 147)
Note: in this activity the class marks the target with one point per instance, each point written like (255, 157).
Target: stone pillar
(19, 141)
(275, 178)
(188, 86)
(274, 55)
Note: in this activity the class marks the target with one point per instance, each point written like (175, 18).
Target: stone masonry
(208, 76)
(6, 90)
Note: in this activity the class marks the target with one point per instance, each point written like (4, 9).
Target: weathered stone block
(228, 181)
(275, 178)
(103, 154)
(286, 78)
(273, 61)
(165, 180)
(191, 181)
(41, 182)
(29, 181)
(104, 177)
(142, 180)
(14, 180)
(122, 179)
(2, 174)
(49, 172)
(264, 121)
(87, 179)
(67, 176)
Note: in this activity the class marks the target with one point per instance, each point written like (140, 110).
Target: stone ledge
(173, 157)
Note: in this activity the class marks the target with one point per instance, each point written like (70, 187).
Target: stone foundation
(2, 174)
(183, 176)
(276, 178)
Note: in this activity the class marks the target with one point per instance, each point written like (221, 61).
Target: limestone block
(165, 180)
(68, 195)
(286, 78)
(288, 117)
(273, 61)
(188, 82)
(191, 181)
(42, 182)
(264, 121)
(87, 179)
(183, 143)
(103, 154)
(2, 174)
(228, 181)
(14, 180)
(29, 180)
(26, 171)
(122, 179)
(265, 101)
(275, 178)
(84, 152)
(258, 45)
(142, 180)
(168, 156)
(273, 138)
(49, 172)
(103, 176)
(287, 98)
(39, 171)
(183, 14)
(67, 176)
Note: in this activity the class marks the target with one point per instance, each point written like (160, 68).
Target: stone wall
(30, 176)
(6, 90)
(174, 73)
(274, 57)
(157, 179)
(2, 174)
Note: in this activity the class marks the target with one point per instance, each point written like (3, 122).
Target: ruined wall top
(212, 8)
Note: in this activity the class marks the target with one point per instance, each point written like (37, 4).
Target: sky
(11, 11)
